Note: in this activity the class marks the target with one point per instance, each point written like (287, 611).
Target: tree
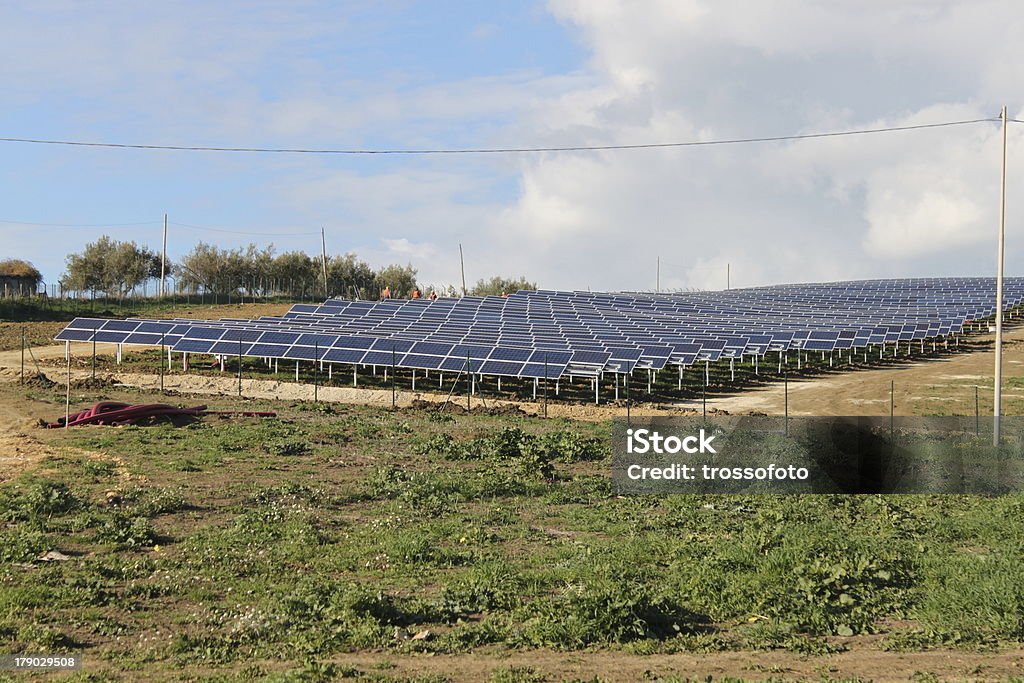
(499, 285)
(295, 273)
(347, 276)
(259, 269)
(110, 266)
(401, 279)
(216, 270)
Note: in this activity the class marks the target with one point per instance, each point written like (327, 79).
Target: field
(352, 540)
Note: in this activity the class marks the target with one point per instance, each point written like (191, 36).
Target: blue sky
(564, 72)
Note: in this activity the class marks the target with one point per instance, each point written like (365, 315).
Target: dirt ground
(861, 661)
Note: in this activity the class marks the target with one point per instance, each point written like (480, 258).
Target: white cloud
(890, 204)
(895, 204)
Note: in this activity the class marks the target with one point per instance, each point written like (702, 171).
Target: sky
(446, 74)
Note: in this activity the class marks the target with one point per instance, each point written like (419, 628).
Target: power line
(241, 232)
(26, 222)
(495, 150)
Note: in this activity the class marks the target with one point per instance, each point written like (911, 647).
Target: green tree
(259, 269)
(401, 279)
(347, 276)
(296, 273)
(219, 271)
(110, 266)
(499, 285)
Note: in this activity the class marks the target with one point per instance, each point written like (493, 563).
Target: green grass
(46, 308)
(322, 532)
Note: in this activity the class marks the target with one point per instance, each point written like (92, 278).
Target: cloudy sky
(447, 74)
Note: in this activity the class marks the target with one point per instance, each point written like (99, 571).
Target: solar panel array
(546, 334)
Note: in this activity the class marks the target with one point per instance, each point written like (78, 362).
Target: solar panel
(582, 332)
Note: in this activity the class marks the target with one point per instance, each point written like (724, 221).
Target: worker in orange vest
(386, 294)
(433, 296)
(415, 293)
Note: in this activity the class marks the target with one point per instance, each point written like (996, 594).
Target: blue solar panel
(304, 352)
(73, 335)
(381, 357)
(155, 327)
(399, 345)
(471, 351)
(243, 335)
(497, 367)
(111, 337)
(230, 348)
(143, 339)
(121, 325)
(510, 354)
(597, 328)
(193, 345)
(264, 350)
(589, 357)
(322, 340)
(431, 348)
(551, 357)
(349, 356)
(355, 342)
(278, 338)
(413, 360)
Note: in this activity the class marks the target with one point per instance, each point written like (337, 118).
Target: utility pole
(728, 275)
(323, 252)
(657, 282)
(163, 258)
(462, 262)
(999, 290)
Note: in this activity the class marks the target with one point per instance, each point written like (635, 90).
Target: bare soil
(863, 661)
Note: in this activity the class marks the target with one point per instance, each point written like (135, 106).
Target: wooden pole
(323, 252)
(67, 396)
(462, 263)
(998, 388)
(163, 258)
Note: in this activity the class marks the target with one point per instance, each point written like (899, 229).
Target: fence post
(892, 406)
(316, 371)
(67, 396)
(545, 384)
(22, 354)
(785, 390)
(239, 365)
(161, 362)
(704, 396)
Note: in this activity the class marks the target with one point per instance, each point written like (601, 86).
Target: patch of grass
(295, 540)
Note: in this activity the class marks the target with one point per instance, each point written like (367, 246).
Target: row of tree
(118, 268)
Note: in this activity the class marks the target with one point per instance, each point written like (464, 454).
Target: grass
(294, 540)
(24, 309)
